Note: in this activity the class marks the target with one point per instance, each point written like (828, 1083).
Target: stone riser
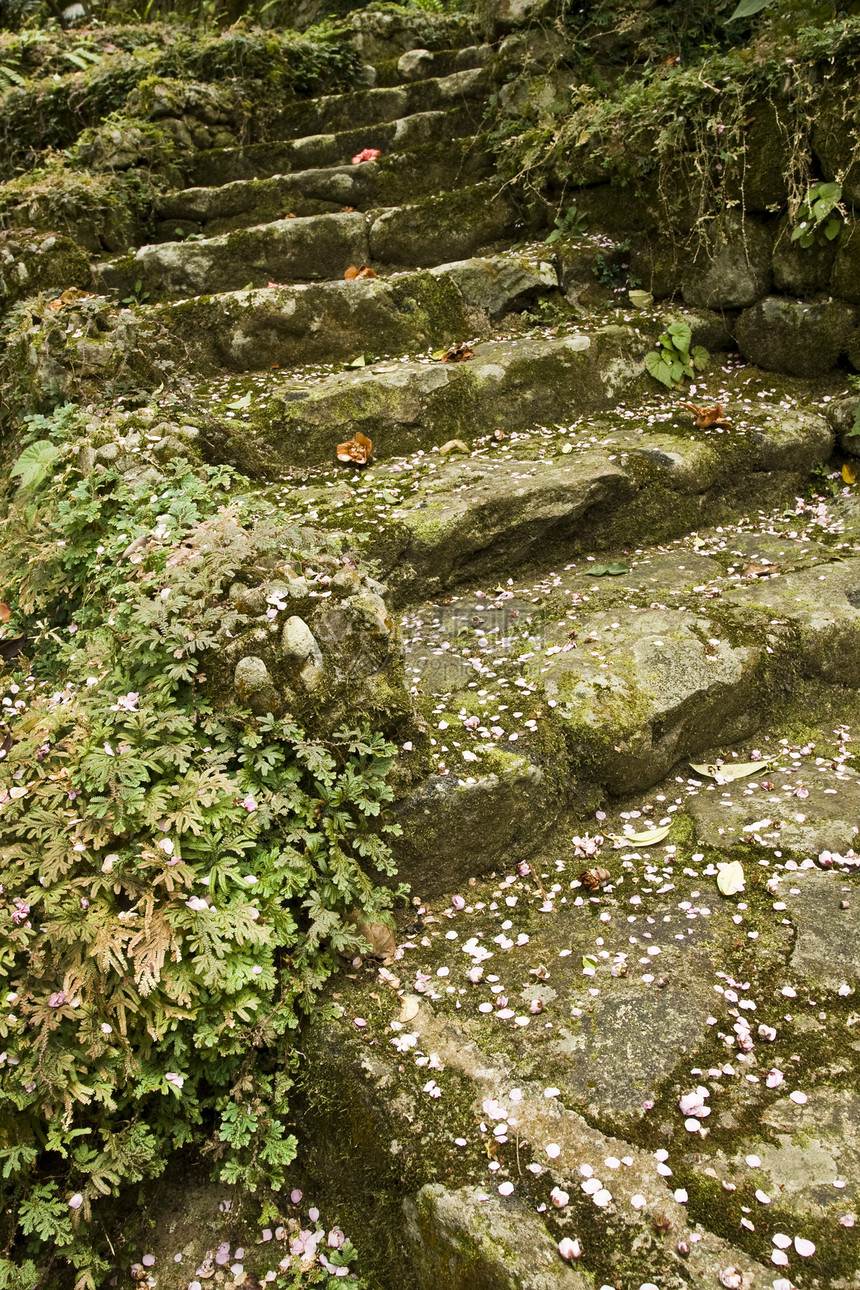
(402, 177)
(367, 108)
(262, 160)
(320, 246)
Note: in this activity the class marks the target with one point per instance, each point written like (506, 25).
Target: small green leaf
(606, 570)
(700, 357)
(681, 336)
(589, 961)
(239, 405)
(34, 463)
(831, 229)
(747, 8)
(553, 237)
(360, 361)
(659, 368)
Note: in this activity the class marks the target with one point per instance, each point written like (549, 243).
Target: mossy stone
(801, 338)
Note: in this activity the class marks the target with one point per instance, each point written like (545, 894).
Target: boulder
(796, 337)
(801, 270)
(500, 284)
(735, 272)
(415, 64)
(845, 278)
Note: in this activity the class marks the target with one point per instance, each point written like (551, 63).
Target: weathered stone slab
(419, 404)
(391, 180)
(284, 250)
(824, 817)
(248, 330)
(364, 108)
(451, 226)
(827, 946)
(660, 685)
(823, 605)
(466, 1239)
(260, 160)
(460, 824)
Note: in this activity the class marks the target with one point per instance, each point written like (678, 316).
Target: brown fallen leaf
(356, 450)
(71, 296)
(594, 879)
(347, 208)
(713, 414)
(753, 570)
(380, 937)
(458, 353)
(5, 612)
(354, 272)
(453, 445)
(290, 215)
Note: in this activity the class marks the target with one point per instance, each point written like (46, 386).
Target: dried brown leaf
(356, 450)
(707, 416)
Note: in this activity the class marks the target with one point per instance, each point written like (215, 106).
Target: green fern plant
(176, 878)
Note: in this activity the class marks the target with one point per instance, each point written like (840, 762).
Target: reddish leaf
(356, 451)
(706, 417)
(366, 154)
(458, 353)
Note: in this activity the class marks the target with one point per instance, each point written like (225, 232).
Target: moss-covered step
(617, 679)
(421, 403)
(91, 349)
(432, 524)
(261, 160)
(318, 322)
(368, 107)
(818, 605)
(450, 226)
(511, 1084)
(418, 63)
(388, 181)
(287, 250)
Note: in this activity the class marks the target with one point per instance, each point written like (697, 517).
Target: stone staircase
(593, 591)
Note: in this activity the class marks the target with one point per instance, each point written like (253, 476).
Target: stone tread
(262, 160)
(391, 180)
(433, 524)
(365, 108)
(447, 226)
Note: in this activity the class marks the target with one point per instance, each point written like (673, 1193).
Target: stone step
(414, 404)
(623, 676)
(526, 1070)
(367, 108)
(389, 181)
(436, 229)
(216, 166)
(265, 332)
(417, 64)
(317, 323)
(431, 524)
